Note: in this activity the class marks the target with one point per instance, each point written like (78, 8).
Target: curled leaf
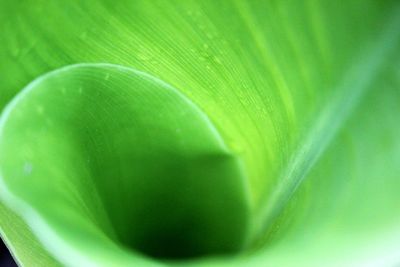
(217, 133)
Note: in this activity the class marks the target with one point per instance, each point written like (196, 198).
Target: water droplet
(83, 35)
(144, 54)
(154, 62)
(217, 60)
(15, 52)
(27, 168)
(40, 109)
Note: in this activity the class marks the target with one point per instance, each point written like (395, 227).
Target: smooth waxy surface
(297, 102)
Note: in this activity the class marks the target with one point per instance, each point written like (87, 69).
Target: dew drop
(27, 168)
(83, 35)
(217, 60)
(39, 109)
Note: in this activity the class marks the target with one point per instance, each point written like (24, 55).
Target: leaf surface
(299, 99)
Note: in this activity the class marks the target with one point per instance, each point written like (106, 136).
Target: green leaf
(21, 242)
(131, 161)
(266, 128)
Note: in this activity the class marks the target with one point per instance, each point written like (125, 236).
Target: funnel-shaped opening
(116, 151)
